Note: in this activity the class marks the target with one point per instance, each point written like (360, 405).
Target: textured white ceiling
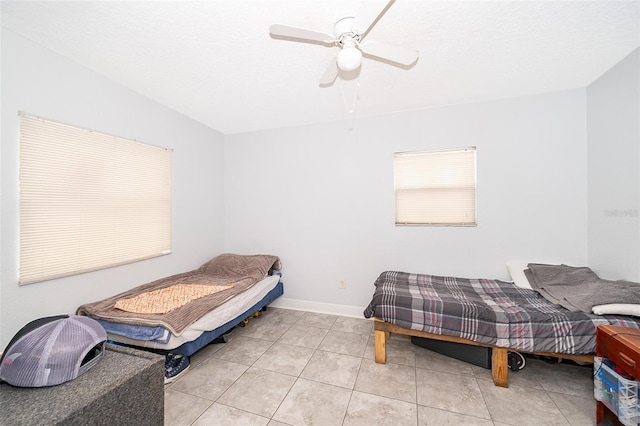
(214, 61)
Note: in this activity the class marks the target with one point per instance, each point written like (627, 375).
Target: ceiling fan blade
(399, 55)
(330, 74)
(301, 33)
(368, 14)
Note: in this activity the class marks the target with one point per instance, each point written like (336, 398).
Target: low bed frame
(483, 313)
(499, 360)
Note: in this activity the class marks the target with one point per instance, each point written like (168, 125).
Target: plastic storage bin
(619, 394)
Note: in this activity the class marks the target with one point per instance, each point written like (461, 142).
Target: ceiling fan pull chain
(350, 108)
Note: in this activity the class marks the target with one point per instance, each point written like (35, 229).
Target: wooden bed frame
(499, 361)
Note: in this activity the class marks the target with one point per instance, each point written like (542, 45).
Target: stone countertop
(122, 370)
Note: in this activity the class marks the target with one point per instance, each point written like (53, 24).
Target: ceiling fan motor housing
(350, 57)
(344, 27)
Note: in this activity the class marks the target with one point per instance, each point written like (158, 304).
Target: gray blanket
(579, 288)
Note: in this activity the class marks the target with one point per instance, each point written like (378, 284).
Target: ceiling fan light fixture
(349, 58)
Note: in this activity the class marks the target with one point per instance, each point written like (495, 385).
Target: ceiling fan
(348, 34)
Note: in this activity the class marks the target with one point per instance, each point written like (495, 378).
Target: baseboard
(319, 307)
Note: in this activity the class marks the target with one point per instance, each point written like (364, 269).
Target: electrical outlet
(342, 284)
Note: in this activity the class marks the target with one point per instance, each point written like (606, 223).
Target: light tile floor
(302, 368)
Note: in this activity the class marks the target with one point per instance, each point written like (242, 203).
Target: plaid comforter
(487, 311)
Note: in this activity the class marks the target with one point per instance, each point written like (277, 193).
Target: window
(89, 200)
(436, 187)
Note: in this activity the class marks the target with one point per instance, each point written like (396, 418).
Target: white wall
(613, 116)
(321, 196)
(40, 82)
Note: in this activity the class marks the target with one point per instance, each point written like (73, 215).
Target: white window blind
(436, 187)
(89, 200)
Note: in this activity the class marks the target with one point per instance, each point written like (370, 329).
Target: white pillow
(617, 309)
(516, 270)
